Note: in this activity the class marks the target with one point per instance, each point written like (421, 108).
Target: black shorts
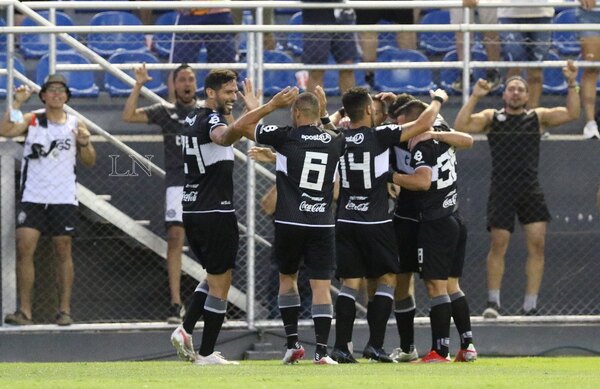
(214, 239)
(316, 245)
(438, 247)
(373, 16)
(407, 233)
(365, 250)
(458, 259)
(49, 219)
(528, 204)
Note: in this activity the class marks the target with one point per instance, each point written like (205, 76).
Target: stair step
(105, 197)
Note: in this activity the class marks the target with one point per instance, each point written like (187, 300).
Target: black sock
(462, 319)
(370, 316)
(194, 312)
(345, 313)
(382, 308)
(322, 315)
(405, 320)
(214, 315)
(439, 315)
(289, 315)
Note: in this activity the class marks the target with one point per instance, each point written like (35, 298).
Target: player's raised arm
(425, 120)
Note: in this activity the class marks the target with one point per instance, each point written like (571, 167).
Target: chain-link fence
(120, 246)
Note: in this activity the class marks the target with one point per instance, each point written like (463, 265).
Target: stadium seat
(436, 42)
(106, 44)
(449, 75)
(81, 83)
(385, 39)
(2, 36)
(36, 45)
(331, 79)
(163, 41)
(286, 10)
(417, 81)
(294, 39)
(566, 42)
(554, 81)
(116, 87)
(18, 65)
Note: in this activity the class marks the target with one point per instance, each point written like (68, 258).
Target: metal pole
(7, 230)
(466, 75)
(10, 55)
(52, 43)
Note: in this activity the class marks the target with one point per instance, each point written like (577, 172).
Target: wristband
(16, 116)
(342, 112)
(325, 120)
(438, 98)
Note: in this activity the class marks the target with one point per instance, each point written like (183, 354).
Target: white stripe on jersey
(50, 179)
(212, 211)
(357, 222)
(213, 153)
(382, 163)
(305, 225)
(281, 163)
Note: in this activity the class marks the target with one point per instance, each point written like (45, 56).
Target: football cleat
(377, 355)
(400, 356)
(293, 355)
(324, 360)
(213, 359)
(434, 357)
(341, 356)
(182, 341)
(468, 354)
(492, 311)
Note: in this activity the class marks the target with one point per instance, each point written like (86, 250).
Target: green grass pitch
(563, 372)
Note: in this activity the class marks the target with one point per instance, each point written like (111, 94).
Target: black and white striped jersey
(364, 172)
(307, 159)
(208, 167)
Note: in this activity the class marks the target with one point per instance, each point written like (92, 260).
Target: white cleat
(326, 360)
(213, 359)
(293, 355)
(400, 356)
(591, 130)
(182, 341)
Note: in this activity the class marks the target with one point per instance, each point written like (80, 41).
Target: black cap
(54, 79)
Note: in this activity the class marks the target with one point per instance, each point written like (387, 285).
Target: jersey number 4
(313, 162)
(191, 154)
(364, 167)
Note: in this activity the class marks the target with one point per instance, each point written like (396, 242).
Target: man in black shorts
(369, 40)
(208, 212)
(365, 241)
(170, 120)
(431, 194)
(307, 158)
(514, 134)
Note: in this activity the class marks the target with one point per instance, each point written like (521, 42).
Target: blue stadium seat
(36, 45)
(566, 42)
(436, 42)
(107, 44)
(554, 81)
(18, 65)
(81, 83)
(116, 87)
(385, 39)
(286, 10)
(331, 79)
(2, 37)
(294, 39)
(417, 81)
(449, 75)
(163, 41)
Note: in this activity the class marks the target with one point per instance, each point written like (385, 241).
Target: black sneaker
(492, 311)
(531, 312)
(18, 319)
(341, 356)
(176, 313)
(377, 354)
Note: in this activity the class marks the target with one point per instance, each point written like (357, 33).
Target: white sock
(530, 302)
(494, 296)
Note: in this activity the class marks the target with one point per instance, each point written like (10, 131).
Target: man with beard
(514, 134)
(365, 242)
(170, 119)
(208, 213)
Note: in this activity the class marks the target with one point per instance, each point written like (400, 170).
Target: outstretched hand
(251, 99)
(285, 97)
(141, 75)
(482, 88)
(320, 93)
(22, 93)
(261, 154)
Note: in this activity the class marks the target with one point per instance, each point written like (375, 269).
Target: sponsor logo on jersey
(269, 128)
(324, 137)
(189, 197)
(356, 138)
(214, 119)
(501, 117)
(69, 228)
(22, 217)
(313, 198)
(226, 202)
(190, 120)
(192, 185)
(418, 156)
(312, 208)
(360, 207)
(449, 201)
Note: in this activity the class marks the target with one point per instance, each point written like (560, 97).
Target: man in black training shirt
(365, 241)
(208, 212)
(514, 134)
(170, 120)
(307, 158)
